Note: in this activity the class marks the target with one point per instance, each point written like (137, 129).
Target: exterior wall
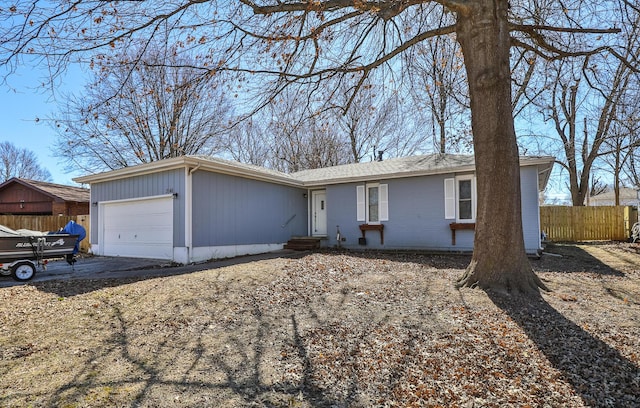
(59, 208)
(416, 215)
(161, 183)
(530, 208)
(234, 216)
(77, 208)
(231, 211)
(623, 202)
(628, 197)
(19, 199)
(70, 208)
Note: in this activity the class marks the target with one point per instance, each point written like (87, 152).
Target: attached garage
(140, 228)
(194, 208)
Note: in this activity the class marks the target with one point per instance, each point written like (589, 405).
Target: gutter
(225, 167)
(524, 162)
(186, 161)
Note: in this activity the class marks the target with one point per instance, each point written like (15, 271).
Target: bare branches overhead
(326, 52)
(290, 41)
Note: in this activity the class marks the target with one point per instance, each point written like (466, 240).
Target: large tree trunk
(499, 260)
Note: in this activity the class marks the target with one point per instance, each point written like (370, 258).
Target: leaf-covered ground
(329, 330)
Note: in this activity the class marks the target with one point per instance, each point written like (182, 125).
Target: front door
(318, 213)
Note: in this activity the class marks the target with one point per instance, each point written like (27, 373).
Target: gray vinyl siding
(530, 208)
(416, 215)
(229, 210)
(161, 183)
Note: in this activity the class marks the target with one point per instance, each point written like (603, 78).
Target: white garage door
(140, 229)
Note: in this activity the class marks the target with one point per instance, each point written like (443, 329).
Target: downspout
(309, 210)
(188, 212)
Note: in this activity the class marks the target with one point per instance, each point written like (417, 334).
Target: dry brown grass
(328, 330)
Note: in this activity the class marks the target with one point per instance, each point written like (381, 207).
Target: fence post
(630, 218)
(85, 244)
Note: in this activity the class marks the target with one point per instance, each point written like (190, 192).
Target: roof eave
(228, 168)
(544, 164)
(146, 168)
(232, 170)
(388, 176)
(185, 162)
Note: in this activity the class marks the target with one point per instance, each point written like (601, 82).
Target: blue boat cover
(75, 229)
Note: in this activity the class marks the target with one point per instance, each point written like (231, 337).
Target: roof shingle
(66, 193)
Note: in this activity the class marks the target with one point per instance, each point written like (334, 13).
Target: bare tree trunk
(499, 260)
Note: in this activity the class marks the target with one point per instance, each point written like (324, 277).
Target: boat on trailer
(22, 251)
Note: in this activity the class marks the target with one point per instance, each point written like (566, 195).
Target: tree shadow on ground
(194, 364)
(598, 373)
(556, 258)
(77, 286)
(569, 257)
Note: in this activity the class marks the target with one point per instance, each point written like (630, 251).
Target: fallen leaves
(327, 329)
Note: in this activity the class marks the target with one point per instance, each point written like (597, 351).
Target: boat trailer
(21, 253)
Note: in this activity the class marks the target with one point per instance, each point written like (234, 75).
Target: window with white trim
(373, 203)
(373, 215)
(460, 198)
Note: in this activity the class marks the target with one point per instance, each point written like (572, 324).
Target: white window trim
(383, 202)
(451, 201)
(362, 198)
(361, 204)
(474, 198)
(366, 189)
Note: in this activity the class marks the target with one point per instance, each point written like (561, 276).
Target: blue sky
(22, 102)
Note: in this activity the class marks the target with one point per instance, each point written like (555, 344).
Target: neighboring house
(192, 208)
(31, 197)
(628, 196)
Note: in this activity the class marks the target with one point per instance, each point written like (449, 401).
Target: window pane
(465, 209)
(465, 189)
(373, 195)
(373, 204)
(373, 213)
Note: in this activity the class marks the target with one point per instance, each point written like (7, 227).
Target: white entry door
(318, 213)
(138, 228)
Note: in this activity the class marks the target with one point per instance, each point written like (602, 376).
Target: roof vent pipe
(380, 153)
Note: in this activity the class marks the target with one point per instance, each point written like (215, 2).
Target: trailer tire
(23, 271)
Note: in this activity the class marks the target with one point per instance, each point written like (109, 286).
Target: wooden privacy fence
(46, 223)
(601, 223)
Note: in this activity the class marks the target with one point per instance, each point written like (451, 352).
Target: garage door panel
(141, 228)
(154, 235)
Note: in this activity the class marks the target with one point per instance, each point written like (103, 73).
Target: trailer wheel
(23, 271)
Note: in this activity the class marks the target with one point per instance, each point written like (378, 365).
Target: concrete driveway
(105, 267)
